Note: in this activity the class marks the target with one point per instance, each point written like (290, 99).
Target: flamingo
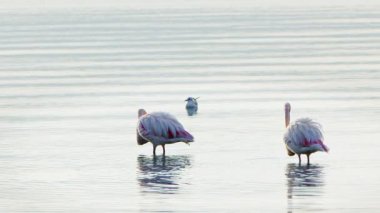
(192, 105)
(303, 136)
(160, 128)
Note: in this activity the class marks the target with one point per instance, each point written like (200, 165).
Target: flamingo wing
(160, 127)
(303, 133)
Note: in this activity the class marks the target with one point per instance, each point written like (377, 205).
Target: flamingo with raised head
(303, 136)
(160, 128)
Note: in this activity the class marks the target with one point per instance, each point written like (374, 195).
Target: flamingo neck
(287, 114)
(287, 118)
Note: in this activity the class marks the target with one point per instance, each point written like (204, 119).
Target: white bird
(303, 136)
(160, 128)
(191, 105)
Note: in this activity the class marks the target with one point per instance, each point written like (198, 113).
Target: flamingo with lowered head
(160, 128)
(303, 136)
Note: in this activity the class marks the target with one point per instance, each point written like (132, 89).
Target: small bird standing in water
(303, 136)
(191, 105)
(160, 128)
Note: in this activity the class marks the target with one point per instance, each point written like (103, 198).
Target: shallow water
(72, 81)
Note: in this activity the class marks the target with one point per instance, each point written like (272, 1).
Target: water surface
(72, 81)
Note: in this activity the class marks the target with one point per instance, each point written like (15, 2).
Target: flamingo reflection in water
(304, 184)
(161, 175)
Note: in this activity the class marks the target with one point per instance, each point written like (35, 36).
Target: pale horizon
(147, 4)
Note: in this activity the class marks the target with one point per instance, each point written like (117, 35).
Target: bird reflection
(304, 183)
(161, 175)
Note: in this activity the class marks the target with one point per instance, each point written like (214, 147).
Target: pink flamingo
(303, 136)
(160, 128)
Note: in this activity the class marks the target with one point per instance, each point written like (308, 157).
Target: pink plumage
(303, 136)
(160, 128)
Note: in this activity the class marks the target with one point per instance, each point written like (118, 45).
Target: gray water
(71, 83)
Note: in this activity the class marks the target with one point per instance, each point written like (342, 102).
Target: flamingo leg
(299, 159)
(154, 150)
(163, 149)
(308, 160)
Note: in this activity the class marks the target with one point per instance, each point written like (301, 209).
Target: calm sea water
(71, 83)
